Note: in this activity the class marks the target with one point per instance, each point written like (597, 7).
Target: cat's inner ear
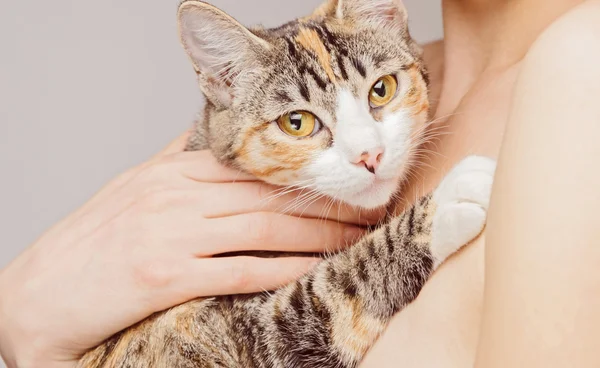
(220, 48)
(376, 13)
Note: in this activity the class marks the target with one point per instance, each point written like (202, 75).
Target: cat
(335, 102)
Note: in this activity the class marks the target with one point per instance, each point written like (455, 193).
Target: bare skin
(486, 43)
(145, 243)
(537, 300)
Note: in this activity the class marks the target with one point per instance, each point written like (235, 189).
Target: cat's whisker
(239, 173)
(302, 200)
(307, 202)
(329, 204)
(426, 137)
(444, 117)
(332, 203)
(328, 208)
(292, 206)
(266, 292)
(296, 186)
(278, 193)
(339, 214)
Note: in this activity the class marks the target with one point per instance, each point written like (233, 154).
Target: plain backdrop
(91, 88)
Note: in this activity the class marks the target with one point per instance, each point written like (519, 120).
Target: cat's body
(329, 318)
(335, 102)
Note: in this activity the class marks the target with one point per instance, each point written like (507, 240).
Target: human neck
(489, 36)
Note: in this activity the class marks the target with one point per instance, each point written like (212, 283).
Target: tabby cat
(337, 103)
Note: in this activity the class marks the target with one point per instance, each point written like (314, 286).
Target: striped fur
(332, 316)
(329, 318)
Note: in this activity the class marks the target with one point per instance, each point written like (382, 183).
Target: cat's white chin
(376, 194)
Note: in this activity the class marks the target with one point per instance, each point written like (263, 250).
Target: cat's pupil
(379, 88)
(296, 120)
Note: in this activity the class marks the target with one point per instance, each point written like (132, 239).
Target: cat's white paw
(462, 201)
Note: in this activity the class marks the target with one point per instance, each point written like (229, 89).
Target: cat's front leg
(331, 317)
(461, 200)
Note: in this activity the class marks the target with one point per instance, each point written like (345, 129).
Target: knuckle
(240, 274)
(156, 199)
(153, 170)
(152, 274)
(159, 170)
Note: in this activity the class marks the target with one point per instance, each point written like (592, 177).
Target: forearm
(542, 305)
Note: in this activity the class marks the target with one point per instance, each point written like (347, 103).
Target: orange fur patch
(309, 39)
(272, 158)
(354, 331)
(416, 97)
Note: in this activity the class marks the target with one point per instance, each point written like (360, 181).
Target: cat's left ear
(220, 48)
(375, 13)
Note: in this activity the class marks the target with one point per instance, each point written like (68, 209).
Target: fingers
(269, 231)
(241, 275)
(238, 198)
(242, 193)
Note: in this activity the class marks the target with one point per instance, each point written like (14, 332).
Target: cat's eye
(383, 91)
(299, 124)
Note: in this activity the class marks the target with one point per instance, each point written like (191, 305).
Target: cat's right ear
(220, 48)
(390, 14)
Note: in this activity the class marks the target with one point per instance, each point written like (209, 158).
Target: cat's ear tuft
(376, 13)
(220, 48)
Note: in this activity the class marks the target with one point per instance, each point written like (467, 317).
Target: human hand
(145, 243)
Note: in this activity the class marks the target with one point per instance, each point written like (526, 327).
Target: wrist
(17, 350)
(32, 358)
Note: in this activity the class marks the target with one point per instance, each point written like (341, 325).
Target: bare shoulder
(575, 34)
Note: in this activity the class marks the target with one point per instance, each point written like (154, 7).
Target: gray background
(90, 88)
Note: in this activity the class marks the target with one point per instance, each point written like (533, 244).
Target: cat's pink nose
(370, 159)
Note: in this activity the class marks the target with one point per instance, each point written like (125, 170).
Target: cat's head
(334, 102)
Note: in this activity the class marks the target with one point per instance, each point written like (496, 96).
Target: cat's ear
(220, 48)
(376, 13)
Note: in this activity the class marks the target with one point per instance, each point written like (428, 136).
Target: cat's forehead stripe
(310, 40)
(305, 70)
(320, 55)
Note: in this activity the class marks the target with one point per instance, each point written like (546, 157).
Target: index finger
(241, 275)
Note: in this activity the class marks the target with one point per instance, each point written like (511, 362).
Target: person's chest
(475, 127)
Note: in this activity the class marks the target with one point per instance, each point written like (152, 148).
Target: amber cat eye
(383, 91)
(299, 124)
